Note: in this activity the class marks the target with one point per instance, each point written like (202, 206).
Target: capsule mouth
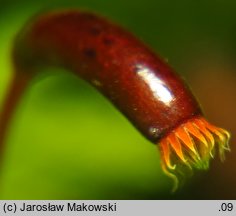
(191, 146)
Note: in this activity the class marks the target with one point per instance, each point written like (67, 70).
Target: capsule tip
(191, 145)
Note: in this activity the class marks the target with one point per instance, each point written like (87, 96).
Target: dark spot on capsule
(95, 30)
(89, 16)
(108, 41)
(90, 53)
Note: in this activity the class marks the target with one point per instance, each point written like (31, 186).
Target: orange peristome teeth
(191, 145)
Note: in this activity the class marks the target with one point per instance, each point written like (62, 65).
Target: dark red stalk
(17, 87)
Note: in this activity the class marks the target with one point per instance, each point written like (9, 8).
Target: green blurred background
(66, 141)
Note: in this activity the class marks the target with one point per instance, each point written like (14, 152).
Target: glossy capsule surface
(140, 84)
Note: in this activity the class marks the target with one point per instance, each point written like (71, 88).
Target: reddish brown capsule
(142, 86)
